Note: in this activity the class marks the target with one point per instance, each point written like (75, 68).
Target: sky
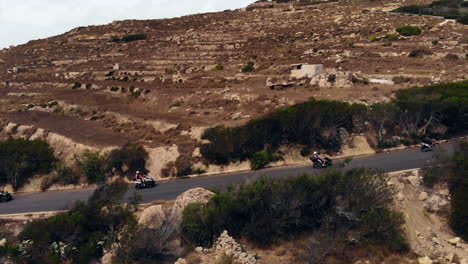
(24, 20)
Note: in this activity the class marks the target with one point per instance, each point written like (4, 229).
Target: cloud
(24, 20)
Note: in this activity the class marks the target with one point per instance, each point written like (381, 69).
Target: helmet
(137, 171)
(315, 152)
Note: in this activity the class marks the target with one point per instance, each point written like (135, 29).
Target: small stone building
(303, 70)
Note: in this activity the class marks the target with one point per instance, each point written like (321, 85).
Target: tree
(381, 114)
(20, 159)
(93, 166)
(130, 158)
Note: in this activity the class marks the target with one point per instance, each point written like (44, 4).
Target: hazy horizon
(28, 20)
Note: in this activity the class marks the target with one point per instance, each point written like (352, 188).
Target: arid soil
(176, 92)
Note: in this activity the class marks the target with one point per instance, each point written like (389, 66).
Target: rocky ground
(82, 91)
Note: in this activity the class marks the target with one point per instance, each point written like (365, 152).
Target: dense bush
(76, 85)
(249, 67)
(450, 9)
(268, 210)
(262, 158)
(423, 109)
(436, 110)
(129, 159)
(139, 244)
(392, 37)
(63, 175)
(408, 30)
(458, 185)
(20, 159)
(94, 167)
(79, 235)
(463, 19)
(312, 123)
(218, 67)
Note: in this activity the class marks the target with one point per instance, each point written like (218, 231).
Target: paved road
(61, 200)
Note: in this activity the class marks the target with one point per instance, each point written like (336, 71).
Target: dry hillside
(82, 90)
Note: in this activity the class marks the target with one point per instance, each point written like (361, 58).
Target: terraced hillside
(162, 82)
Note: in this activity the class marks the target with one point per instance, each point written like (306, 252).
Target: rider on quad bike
(317, 156)
(141, 177)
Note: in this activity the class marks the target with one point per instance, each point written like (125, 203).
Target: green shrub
(262, 158)
(79, 235)
(76, 85)
(259, 160)
(52, 104)
(298, 124)
(411, 9)
(315, 124)
(249, 67)
(218, 67)
(263, 211)
(392, 37)
(195, 226)
(114, 89)
(88, 86)
(66, 175)
(132, 156)
(20, 159)
(94, 167)
(409, 30)
(373, 38)
(458, 186)
(463, 19)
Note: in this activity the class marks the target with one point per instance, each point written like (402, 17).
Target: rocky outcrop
(425, 211)
(198, 195)
(231, 248)
(153, 217)
(333, 78)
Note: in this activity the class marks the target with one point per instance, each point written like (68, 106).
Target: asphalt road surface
(62, 200)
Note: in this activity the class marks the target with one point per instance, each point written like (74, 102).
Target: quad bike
(146, 182)
(5, 197)
(426, 147)
(319, 165)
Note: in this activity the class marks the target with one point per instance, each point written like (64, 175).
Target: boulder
(153, 217)
(3, 242)
(454, 240)
(425, 260)
(107, 258)
(199, 249)
(423, 196)
(197, 195)
(413, 180)
(181, 261)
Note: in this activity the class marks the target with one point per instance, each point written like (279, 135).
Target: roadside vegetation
(436, 111)
(77, 236)
(268, 211)
(21, 159)
(450, 9)
(452, 170)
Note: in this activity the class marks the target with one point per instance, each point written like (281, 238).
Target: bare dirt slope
(164, 89)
